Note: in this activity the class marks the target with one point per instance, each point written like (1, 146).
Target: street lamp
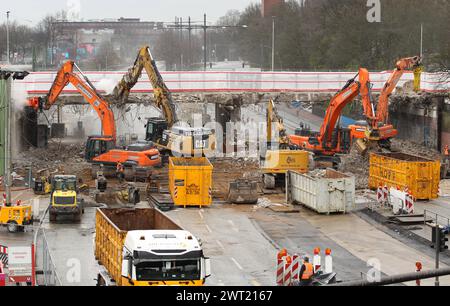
(273, 43)
(7, 36)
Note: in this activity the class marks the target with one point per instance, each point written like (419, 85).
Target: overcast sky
(31, 11)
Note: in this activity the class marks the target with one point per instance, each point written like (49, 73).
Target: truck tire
(77, 217)
(269, 181)
(52, 217)
(12, 227)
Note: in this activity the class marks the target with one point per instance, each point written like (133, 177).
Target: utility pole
(421, 40)
(8, 180)
(204, 43)
(7, 36)
(190, 43)
(273, 43)
(438, 250)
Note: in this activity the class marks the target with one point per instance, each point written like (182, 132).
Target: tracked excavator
(100, 150)
(332, 140)
(170, 139)
(377, 130)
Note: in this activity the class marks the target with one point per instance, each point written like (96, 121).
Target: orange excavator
(333, 140)
(100, 150)
(378, 130)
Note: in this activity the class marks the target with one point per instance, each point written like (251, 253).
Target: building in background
(268, 7)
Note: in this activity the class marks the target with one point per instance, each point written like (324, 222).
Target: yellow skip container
(420, 175)
(190, 181)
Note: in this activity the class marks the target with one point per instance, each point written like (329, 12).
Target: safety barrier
(2, 275)
(401, 201)
(289, 266)
(4, 255)
(235, 81)
(45, 269)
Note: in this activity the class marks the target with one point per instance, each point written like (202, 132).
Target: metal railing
(430, 214)
(46, 274)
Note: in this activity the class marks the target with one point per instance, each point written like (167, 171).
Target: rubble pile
(58, 156)
(357, 165)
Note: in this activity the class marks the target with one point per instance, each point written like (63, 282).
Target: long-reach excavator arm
(382, 113)
(331, 140)
(163, 97)
(65, 76)
(274, 117)
(338, 103)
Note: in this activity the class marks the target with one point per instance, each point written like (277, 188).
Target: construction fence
(236, 81)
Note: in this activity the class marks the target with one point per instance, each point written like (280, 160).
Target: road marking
(237, 264)
(220, 244)
(255, 283)
(201, 215)
(208, 228)
(233, 226)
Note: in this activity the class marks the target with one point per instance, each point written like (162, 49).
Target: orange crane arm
(65, 76)
(383, 103)
(337, 104)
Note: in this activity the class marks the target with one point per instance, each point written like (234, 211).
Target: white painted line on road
(220, 244)
(233, 226)
(237, 264)
(208, 228)
(201, 215)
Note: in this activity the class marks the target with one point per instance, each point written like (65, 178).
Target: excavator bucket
(361, 146)
(243, 192)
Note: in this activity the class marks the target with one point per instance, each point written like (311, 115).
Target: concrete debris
(59, 157)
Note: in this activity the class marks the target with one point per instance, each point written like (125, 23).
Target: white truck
(143, 247)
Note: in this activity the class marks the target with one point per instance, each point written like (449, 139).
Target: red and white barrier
(328, 267)
(280, 267)
(409, 203)
(317, 260)
(295, 267)
(2, 276)
(287, 271)
(418, 269)
(4, 255)
(402, 201)
(288, 267)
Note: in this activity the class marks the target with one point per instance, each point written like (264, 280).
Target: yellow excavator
(278, 158)
(170, 139)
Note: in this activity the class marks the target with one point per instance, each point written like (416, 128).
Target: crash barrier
(238, 81)
(45, 269)
(401, 201)
(4, 255)
(2, 275)
(289, 266)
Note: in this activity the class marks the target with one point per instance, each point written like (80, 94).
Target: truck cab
(163, 257)
(63, 199)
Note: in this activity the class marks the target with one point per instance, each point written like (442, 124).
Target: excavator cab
(98, 145)
(155, 129)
